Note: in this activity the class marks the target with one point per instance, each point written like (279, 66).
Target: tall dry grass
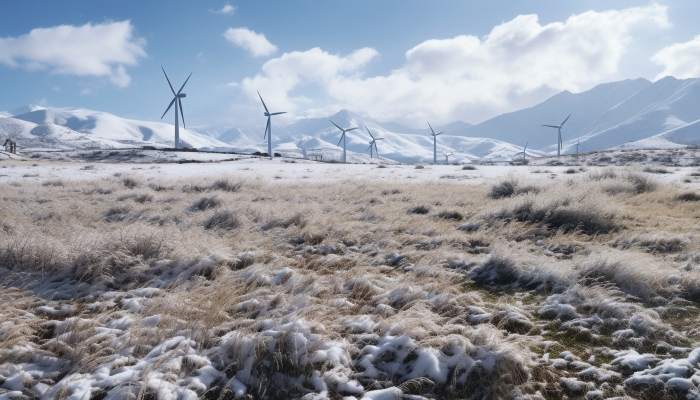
(244, 270)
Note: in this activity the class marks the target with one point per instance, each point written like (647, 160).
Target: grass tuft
(418, 210)
(205, 203)
(222, 219)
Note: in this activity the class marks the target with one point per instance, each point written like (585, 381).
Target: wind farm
(470, 257)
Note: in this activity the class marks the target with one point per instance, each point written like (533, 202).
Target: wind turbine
(524, 152)
(268, 127)
(447, 156)
(435, 135)
(373, 142)
(578, 144)
(559, 143)
(342, 139)
(178, 97)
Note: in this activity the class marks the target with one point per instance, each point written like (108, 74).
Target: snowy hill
(318, 136)
(607, 116)
(627, 114)
(21, 110)
(70, 128)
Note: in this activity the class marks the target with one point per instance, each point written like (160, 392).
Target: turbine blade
(166, 77)
(182, 113)
(166, 110)
(370, 133)
(551, 126)
(336, 125)
(431, 127)
(183, 85)
(278, 113)
(525, 146)
(562, 124)
(440, 133)
(350, 129)
(380, 138)
(267, 127)
(263, 101)
(341, 136)
(369, 148)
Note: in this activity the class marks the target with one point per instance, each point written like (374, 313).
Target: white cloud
(255, 43)
(89, 50)
(519, 63)
(226, 9)
(681, 60)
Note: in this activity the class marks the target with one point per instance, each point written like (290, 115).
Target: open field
(277, 280)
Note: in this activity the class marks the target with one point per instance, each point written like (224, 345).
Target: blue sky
(403, 61)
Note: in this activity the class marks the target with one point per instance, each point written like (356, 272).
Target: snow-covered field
(133, 275)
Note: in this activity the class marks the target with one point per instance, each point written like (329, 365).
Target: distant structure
(268, 127)
(559, 142)
(447, 156)
(372, 143)
(342, 139)
(12, 145)
(578, 144)
(524, 152)
(435, 135)
(178, 97)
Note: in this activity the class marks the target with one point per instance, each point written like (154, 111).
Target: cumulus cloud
(519, 63)
(226, 9)
(681, 60)
(89, 50)
(255, 43)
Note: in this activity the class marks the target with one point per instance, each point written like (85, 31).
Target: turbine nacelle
(181, 95)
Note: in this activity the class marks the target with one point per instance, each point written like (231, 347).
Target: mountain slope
(68, 128)
(319, 136)
(606, 116)
(526, 125)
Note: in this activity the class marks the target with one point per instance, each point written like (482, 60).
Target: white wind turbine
(372, 143)
(435, 135)
(578, 144)
(178, 97)
(524, 152)
(559, 142)
(447, 156)
(342, 139)
(268, 127)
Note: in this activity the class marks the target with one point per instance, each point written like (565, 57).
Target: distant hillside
(68, 128)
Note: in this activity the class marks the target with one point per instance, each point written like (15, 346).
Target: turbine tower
(178, 97)
(435, 135)
(447, 156)
(268, 127)
(373, 143)
(559, 142)
(342, 139)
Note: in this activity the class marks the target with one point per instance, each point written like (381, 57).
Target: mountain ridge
(633, 113)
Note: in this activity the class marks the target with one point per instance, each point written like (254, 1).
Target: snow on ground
(188, 274)
(674, 166)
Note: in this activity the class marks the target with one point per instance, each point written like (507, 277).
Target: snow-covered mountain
(607, 116)
(21, 110)
(317, 136)
(627, 114)
(68, 128)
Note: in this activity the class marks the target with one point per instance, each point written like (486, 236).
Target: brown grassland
(325, 290)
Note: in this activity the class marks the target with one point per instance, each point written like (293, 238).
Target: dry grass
(105, 274)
